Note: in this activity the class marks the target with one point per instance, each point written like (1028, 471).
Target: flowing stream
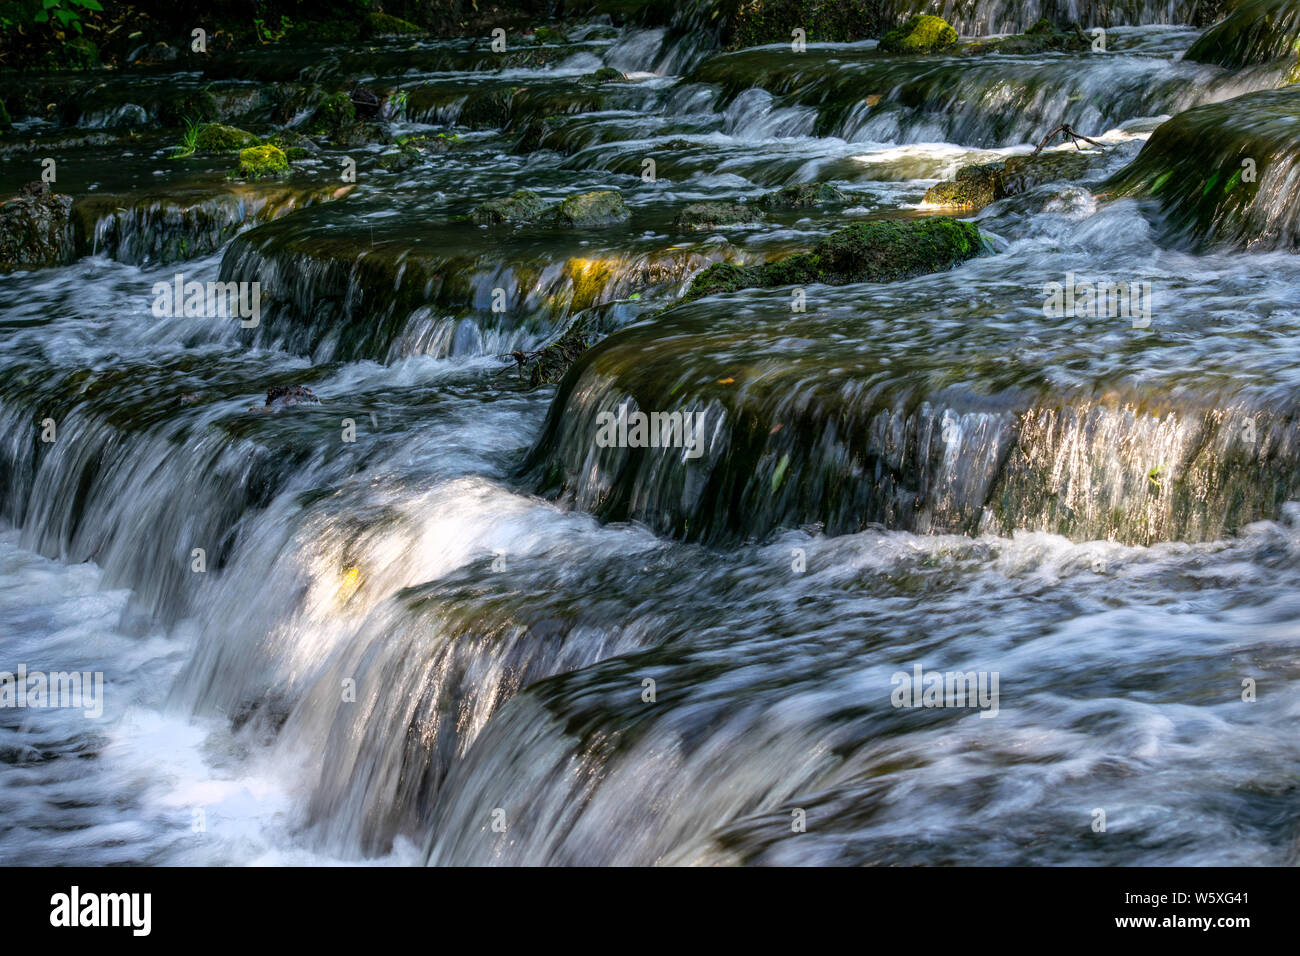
(468, 635)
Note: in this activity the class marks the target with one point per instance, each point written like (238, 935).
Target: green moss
(802, 196)
(712, 215)
(523, 206)
(215, 138)
(878, 251)
(921, 34)
(262, 162)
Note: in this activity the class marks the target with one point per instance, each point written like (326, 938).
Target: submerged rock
(715, 215)
(35, 231)
(878, 251)
(920, 34)
(262, 162)
(801, 196)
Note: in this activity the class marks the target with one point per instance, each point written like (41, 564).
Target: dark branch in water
(1065, 131)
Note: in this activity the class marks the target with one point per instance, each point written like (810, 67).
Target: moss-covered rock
(35, 232)
(974, 188)
(920, 34)
(978, 185)
(550, 35)
(215, 138)
(383, 25)
(802, 196)
(606, 74)
(878, 251)
(262, 162)
(334, 114)
(599, 208)
(1256, 31)
(715, 215)
(1223, 174)
(524, 206)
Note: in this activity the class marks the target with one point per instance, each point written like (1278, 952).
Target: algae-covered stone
(35, 232)
(714, 215)
(802, 196)
(215, 138)
(878, 251)
(524, 206)
(1256, 31)
(606, 74)
(262, 162)
(600, 208)
(920, 34)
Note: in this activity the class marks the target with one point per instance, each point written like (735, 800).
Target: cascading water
(427, 618)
